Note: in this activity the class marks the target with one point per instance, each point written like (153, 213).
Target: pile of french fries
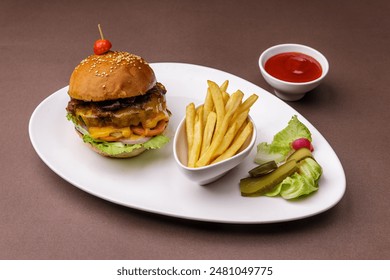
(217, 129)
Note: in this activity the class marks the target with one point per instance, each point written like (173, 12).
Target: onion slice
(139, 140)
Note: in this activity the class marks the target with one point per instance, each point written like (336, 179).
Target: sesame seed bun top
(110, 76)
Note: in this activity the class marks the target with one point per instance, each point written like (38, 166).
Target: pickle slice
(300, 154)
(263, 169)
(256, 186)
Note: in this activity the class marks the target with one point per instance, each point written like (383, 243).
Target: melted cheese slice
(152, 122)
(109, 133)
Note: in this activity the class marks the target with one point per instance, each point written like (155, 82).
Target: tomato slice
(160, 127)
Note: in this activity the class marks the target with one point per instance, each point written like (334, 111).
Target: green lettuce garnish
(264, 154)
(71, 118)
(115, 148)
(280, 146)
(302, 182)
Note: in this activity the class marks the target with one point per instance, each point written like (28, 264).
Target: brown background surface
(44, 217)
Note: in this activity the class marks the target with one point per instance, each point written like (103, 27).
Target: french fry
(223, 89)
(237, 144)
(208, 106)
(234, 103)
(199, 113)
(225, 97)
(197, 143)
(241, 128)
(248, 103)
(197, 138)
(240, 118)
(227, 140)
(218, 102)
(190, 122)
(208, 131)
(229, 104)
(224, 86)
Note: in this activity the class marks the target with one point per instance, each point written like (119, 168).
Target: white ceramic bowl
(210, 173)
(290, 91)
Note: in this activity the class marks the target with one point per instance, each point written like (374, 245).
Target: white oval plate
(152, 181)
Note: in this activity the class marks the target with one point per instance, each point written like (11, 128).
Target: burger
(117, 106)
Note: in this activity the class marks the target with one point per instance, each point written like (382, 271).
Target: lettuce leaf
(302, 182)
(309, 168)
(115, 148)
(264, 154)
(296, 186)
(280, 146)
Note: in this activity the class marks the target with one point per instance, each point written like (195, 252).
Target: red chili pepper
(102, 45)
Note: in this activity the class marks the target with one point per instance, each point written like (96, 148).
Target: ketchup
(293, 67)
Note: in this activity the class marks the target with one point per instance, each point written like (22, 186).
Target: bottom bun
(131, 154)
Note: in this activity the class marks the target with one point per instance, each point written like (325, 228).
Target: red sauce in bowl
(293, 67)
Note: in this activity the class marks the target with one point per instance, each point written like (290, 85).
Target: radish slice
(302, 143)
